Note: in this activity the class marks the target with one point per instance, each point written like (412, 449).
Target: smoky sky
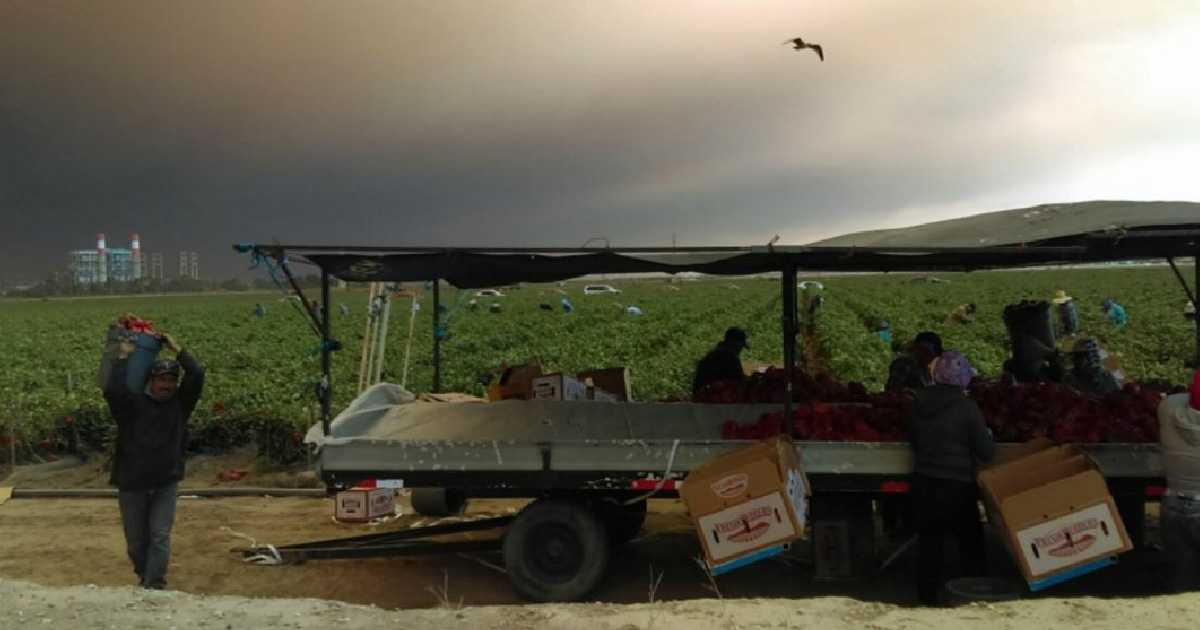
(549, 122)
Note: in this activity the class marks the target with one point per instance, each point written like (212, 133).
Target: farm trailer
(589, 494)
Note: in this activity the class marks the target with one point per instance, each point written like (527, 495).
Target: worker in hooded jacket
(949, 440)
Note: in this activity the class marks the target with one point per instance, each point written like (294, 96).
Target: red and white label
(731, 486)
(746, 527)
(1068, 540)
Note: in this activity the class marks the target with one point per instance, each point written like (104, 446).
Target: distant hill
(1028, 225)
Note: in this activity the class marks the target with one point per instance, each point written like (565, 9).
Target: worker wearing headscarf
(949, 441)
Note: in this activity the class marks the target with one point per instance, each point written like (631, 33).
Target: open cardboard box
(514, 381)
(613, 381)
(748, 504)
(1054, 511)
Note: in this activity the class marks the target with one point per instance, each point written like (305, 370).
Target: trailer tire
(439, 501)
(556, 550)
(623, 522)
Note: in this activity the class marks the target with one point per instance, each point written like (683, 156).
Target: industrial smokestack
(137, 258)
(101, 259)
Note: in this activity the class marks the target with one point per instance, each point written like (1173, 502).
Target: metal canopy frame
(475, 267)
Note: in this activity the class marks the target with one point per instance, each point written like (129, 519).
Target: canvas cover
(386, 411)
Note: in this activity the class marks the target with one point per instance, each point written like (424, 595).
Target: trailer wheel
(623, 522)
(439, 501)
(556, 550)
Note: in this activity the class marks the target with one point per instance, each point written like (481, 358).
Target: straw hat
(1061, 297)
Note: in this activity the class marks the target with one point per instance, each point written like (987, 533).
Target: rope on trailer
(270, 557)
(258, 258)
(266, 554)
(442, 331)
(661, 482)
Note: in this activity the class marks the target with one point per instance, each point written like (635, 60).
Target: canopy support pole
(789, 341)
(437, 338)
(1195, 361)
(382, 335)
(327, 347)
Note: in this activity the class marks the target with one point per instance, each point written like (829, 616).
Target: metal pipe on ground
(207, 493)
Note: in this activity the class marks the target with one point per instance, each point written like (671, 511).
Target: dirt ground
(32, 606)
(78, 542)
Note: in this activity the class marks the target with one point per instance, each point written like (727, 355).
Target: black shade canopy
(1148, 232)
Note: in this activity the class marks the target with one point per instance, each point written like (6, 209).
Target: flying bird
(800, 44)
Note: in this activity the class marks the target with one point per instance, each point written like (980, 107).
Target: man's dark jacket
(720, 364)
(151, 435)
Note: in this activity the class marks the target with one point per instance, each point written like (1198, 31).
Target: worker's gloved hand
(171, 343)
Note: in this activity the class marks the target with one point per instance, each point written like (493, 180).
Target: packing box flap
(733, 485)
(1054, 499)
(745, 473)
(1022, 450)
(778, 449)
(1003, 486)
(1030, 461)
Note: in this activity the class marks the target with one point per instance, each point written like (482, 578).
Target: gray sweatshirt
(1179, 434)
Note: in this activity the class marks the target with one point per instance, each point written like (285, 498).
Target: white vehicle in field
(599, 289)
(489, 293)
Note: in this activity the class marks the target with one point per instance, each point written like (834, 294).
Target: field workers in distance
(261, 370)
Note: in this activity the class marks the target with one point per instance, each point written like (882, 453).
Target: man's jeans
(1181, 541)
(147, 516)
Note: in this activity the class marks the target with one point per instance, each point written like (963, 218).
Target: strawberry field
(261, 370)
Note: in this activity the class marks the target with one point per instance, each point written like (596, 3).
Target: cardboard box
(558, 386)
(514, 382)
(597, 394)
(747, 504)
(359, 505)
(614, 381)
(1054, 511)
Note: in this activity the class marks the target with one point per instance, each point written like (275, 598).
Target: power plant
(115, 264)
(104, 264)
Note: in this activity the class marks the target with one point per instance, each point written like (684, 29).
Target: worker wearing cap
(722, 363)
(1068, 315)
(148, 464)
(1179, 434)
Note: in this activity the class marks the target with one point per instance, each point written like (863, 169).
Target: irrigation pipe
(206, 493)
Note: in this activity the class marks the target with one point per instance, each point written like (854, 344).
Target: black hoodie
(948, 434)
(151, 434)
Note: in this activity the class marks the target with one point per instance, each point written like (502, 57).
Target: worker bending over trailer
(949, 441)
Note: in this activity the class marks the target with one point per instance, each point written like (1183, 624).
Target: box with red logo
(359, 505)
(747, 504)
(1054, 511)
(558, 386)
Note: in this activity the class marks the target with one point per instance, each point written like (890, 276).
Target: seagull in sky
(800, 44)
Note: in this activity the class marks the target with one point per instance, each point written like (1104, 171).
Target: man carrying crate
(148, 464)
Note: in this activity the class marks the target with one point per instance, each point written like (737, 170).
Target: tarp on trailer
(1043, 235)
(387, 412)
